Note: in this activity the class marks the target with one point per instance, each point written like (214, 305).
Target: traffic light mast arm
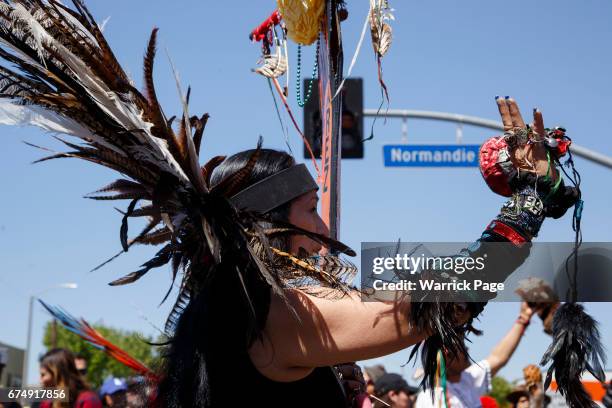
(585, 153)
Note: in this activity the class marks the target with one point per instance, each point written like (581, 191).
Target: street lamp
(26, 355)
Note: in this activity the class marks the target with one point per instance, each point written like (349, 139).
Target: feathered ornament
(303, 19)
(66, 79)
(272, 66)
(576, 347)
(84, 330)
(382, 35)
(337, 273)
(274, 63)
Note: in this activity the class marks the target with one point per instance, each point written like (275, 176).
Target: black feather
(441, 318)
(161, 258)
(576, 347)
(124, 224)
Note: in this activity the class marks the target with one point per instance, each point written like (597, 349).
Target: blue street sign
(456, 155)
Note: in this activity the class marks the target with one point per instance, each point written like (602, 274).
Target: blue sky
(446, 56)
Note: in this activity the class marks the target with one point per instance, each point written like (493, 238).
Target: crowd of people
(467, 383)
(60, 368)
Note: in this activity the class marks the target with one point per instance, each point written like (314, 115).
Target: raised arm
(503, 351)
(330, 331)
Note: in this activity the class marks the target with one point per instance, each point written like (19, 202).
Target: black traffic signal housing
(352, 120)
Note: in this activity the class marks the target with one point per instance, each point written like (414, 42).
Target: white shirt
(475, 381)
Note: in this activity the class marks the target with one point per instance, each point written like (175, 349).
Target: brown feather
(145, 211)
(121, 196)
(161, 126)
(199, 125)
(155, 238)
(233, 183)
(208, 168)
(123, 186)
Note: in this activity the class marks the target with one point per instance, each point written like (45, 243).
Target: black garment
(208, 363)
(243, 386)
(234, 380)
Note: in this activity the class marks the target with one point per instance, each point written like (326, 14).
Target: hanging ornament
(303, 19)
(380, 15)
(274, 63)
(298, 80)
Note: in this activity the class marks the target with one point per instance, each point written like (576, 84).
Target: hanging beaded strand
(298, 85)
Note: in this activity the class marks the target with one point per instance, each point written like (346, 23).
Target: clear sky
(446, 56)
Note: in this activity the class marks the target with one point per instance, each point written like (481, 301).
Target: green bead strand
(298, 85)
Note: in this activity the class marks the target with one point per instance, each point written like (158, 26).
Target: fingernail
(496, 97)
(507, 97)
(535, 110)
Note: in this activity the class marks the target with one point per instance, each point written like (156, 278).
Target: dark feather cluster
(576, 348)
(442, 320)
(64, 78)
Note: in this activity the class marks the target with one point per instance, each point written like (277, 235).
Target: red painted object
(488, 402)
(495, 163)
(562, 146)
(261, 31)
(493, 153)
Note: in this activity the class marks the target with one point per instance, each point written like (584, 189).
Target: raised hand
(529, 153)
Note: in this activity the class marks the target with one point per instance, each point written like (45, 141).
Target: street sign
(454, 155)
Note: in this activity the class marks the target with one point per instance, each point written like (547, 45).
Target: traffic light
(352, 120)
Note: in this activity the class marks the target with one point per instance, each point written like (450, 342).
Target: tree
(500, 388)
(100, 365)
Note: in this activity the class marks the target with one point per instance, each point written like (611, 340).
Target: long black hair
(196, 353)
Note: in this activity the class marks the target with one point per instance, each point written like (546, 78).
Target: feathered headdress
(65, 79)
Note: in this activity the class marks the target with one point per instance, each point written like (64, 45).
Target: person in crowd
(114, 392)
(57, 370)
(535, 387)
(467, 382)
(523, 396)
(11, 404)
(137, 392)
(371, 374)
(519, 397)
(81, 364)
(393, 390)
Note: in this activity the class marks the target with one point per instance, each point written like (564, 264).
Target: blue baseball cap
(112, 385)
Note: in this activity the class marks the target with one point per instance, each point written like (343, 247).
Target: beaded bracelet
(521, 320)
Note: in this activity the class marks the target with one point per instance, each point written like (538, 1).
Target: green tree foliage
(100, 365)
(500, 388)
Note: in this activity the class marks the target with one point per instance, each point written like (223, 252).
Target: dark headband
(275, 190)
